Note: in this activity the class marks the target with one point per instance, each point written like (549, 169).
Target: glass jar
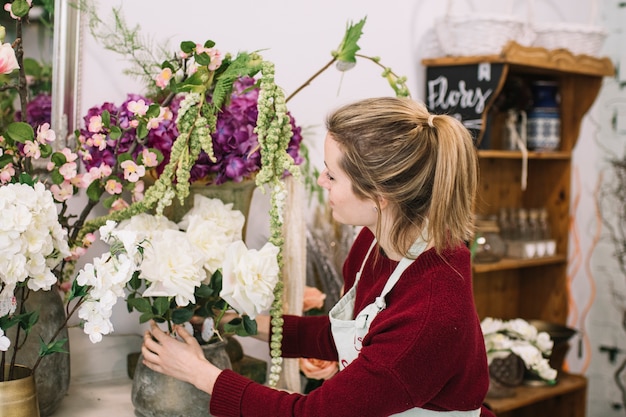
(488, 245)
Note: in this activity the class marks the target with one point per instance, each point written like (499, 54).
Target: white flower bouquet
(190, 272)
(32, 244)
(519, 337)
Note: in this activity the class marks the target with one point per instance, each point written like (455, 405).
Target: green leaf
(153, 110)
(58, 158)
(20, 8)
(146, 317)
(181, 315)
(5, 159)
(26, 178)
(56, 176)
(187, 46)
(77, 291)
(135, 282)
(216, 281)
(142, 130)
(203, 291)
(108, 202)
(32, 67)
(115, 132)
(94, 191)
(244, 326)
(20, 131)
(209, 44)
(161, 305)
(53, 347)
(348, 48)
(106, 118)
(202, 59)
(140, 304)
(124, 157)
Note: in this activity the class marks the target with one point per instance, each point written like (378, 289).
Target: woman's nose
(322, 181)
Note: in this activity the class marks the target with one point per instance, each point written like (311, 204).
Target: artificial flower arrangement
(521, 338)
(178, 273)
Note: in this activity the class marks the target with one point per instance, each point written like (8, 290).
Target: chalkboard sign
(463, 91)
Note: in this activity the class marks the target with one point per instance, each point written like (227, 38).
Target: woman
(406, 333)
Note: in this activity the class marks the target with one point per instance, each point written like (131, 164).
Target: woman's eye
(329, 177)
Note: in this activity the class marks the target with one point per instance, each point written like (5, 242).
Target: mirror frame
(66, 70)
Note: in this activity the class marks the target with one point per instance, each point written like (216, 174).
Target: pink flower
(138, 107)
(132, 171)
(95, 124)
(45, 134)
(317, 368)
(313, 298)
(119, 204)
(7, 173)
(163, 79)
(98, 140)
(8, 61)
(69, 155)
(31, 149)
(138, 191)
(62, 192)
(69, 170)
(148, 158)
(113, 187)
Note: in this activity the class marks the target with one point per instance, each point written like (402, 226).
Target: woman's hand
(183, 360)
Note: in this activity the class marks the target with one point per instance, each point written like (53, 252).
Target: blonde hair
(424, 165)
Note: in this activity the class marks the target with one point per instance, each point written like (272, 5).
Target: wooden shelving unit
(528, 288)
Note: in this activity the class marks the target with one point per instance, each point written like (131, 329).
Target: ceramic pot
(544, 120)
(52, 376)
(18, 397)
(158, 395)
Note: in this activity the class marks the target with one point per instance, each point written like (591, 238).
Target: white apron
(348, 333)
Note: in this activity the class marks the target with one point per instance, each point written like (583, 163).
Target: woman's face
(346, 207)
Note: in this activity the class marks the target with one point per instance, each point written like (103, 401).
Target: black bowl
(558, 333)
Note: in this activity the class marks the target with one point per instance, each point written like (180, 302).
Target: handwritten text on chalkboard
(441, 96)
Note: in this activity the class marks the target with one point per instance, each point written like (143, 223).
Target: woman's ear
(382, 202)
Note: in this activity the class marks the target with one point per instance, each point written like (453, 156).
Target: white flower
(521, 338)
(249, 278)
(173, 267)
(5, 342)
(32, 242)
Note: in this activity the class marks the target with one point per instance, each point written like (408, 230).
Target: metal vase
(18, 397)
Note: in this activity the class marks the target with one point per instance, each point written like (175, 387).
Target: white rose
(249, 278)
(173, 267)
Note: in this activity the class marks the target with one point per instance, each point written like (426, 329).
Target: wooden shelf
(534, 59)
(511, 263)
(498, 154)
(535, 288)
(528, 395)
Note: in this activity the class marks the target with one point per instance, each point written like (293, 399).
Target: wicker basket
(479, 34)
(577, 38)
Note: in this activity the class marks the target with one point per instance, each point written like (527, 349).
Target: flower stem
(314, 76)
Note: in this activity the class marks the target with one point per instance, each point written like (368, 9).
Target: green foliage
(348, 47)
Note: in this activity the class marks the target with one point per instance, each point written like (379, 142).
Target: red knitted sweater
(424, 350)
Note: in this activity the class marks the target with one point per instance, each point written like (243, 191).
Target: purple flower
(38, 110)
